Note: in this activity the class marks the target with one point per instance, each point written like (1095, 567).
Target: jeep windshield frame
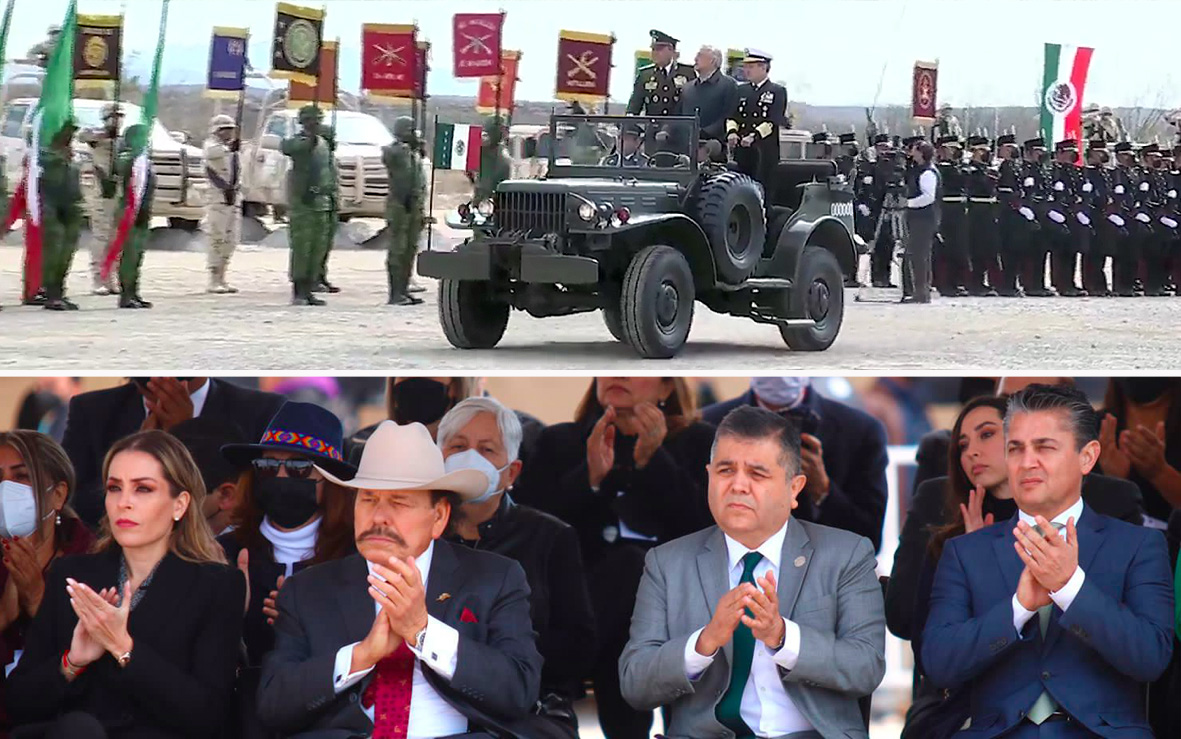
(680, 146)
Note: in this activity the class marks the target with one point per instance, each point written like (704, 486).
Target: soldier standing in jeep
(310, 206)
(404, 205)
(753, 128)
(495, 164)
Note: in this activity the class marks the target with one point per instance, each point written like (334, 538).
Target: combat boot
(304, 296)
(214, 285)
(221, 281)
(53, 300)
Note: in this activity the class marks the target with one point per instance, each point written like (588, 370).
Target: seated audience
(807, 592)
(482, 434)
(288, 517)
(44, 406)
(98, 419)
(141, 638)
(628, 473)
(204, 438)
(1141, 436)
(843, 453)
(413, 636)
(1049, 637)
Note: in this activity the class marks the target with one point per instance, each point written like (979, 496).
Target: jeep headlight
(485, 208)
(587, 212)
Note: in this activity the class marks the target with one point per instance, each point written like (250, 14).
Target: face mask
(419, 399)
(470, 459)
(780, 392)
(1143, 390)
(18, 510)
(288, 501)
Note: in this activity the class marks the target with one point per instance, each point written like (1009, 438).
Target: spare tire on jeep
(730, 211)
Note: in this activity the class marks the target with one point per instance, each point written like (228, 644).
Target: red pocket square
(468, 617)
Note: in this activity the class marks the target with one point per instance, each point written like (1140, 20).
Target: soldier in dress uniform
(310, 186)
(1097, 206)
(752, 130)
(404, 210)
(1124, 195)
(1069, 236)
(1034, 196)
(983, 244)
(102, 197)
(847, 153)
(223, 209)
(1014, 219)
(1159, 231)
(880, 173)
(951, 251)
(822, 145)
(61, 197)
(658, 86)
(1174, 180)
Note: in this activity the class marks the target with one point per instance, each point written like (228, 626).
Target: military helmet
(221, 122)
(493, 123)
(53, 30)
(310, 114)
(404, 128)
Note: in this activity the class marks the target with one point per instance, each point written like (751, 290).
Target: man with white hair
(711, 96)
(482, 434)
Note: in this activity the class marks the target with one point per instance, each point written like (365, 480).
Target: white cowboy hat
(406, 458)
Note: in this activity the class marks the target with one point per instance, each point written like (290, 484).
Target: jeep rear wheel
(730, 211)
(469, 314)
(657, 302)
(818, 294)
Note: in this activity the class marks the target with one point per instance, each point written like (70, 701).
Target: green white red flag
(1063, 81)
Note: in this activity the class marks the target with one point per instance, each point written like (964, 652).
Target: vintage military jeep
(644, 236)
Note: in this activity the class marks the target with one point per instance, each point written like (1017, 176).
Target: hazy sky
(828, 52)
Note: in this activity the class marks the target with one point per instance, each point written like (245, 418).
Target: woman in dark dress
(1140, 437)
(628, 473)
(140, 638)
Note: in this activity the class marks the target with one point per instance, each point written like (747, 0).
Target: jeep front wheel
(657, 302)
(469, 314)
(613, 317)
(818, 294)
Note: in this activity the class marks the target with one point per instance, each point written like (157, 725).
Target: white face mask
(18, 509)
(780, 392)
(471, 459)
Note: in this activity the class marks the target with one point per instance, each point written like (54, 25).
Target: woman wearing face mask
(36, 479)
(289, 516)
(628, 473)
(141, 637)
(1140, 437)
(482, 434)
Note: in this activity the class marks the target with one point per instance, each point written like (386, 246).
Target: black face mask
(288, 501)
(421, 400)
(1141, 390)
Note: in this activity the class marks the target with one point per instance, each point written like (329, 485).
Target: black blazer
(179, 683)
(855, 458)
(96, 420)
(326, 607)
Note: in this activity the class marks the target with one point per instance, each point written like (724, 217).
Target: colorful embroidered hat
(305, 429)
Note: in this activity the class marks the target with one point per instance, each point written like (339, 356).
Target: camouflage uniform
(61, 197)
(223, 215)
(495, 164)
(101, 195)
(132, 257)
(309, 206)
(403, 209)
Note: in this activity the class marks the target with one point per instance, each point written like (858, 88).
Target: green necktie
(729, 710)
(1045, 705)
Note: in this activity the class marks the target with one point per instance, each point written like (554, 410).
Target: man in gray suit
(761, 626)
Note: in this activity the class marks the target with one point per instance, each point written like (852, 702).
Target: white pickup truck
(179, 168)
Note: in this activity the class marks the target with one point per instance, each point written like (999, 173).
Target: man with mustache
(763, 625)
(1051, 639)
(413, 637)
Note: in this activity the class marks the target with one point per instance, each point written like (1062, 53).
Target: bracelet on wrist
(69, 667)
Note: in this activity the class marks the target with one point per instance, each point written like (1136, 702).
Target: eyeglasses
(266, 467)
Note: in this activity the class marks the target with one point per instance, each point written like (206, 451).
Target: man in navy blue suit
(1057, 618)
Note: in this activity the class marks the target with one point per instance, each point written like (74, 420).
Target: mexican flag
(457, 146)
(141, 150)
(1063, 81)
(54, 108)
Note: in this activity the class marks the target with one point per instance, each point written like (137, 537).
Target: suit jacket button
(352, 697)
(1045, 676)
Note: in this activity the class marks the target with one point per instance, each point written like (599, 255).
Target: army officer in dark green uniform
(495, 164)
(403, 209)
(61, 198)
(131, 260)
(309, 193)
(658, 86)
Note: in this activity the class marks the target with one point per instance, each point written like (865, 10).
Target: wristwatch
(420, 640)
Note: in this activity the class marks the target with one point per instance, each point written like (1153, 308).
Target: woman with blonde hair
(140, 637)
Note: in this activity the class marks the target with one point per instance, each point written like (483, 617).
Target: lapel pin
(799, 562)
(444, 597)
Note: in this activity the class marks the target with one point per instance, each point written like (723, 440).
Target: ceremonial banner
(227, 62)
(476, 43)
(643, 59)
(389, 59)
(1063, 81)
(299, 33)
(584, 67)
(457, 146)
(497, 92)
(419, 92)
(734, 68)
(300, 94)
(924, 84)
(98, 45)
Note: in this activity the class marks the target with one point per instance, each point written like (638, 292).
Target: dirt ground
(257, 329)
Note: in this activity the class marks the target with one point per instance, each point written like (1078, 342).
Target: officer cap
(910, 141)
(949, 140)
(1035, 143)
(310, 114)
(821, 137)
(845, 139)
(404, 128)
(1149, 149)
(221, 122)
(1004, 139)
(881, 138)
(1066, 145)
(633, 128)
(1124, 147)
(1097, 145)
(978, 142)
(754, 56)
(660, 38)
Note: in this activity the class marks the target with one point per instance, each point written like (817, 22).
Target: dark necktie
(1045, 704)
(389, 694)
(729, 710)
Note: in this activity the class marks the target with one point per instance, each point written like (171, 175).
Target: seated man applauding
(414, 637)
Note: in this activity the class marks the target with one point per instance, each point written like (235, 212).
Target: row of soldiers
(1009, 208)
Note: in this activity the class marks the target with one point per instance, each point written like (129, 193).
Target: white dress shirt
(290, 547)
(1064, 597)
(430, 714)
(766, 707)
(198, 397)
(928, 183)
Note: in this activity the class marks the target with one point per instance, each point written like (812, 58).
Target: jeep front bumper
(526, 261)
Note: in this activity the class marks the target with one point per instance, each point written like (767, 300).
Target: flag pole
(118, 89)
(238, 119)
(499, 74)
(430, 222)
(414, 106)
